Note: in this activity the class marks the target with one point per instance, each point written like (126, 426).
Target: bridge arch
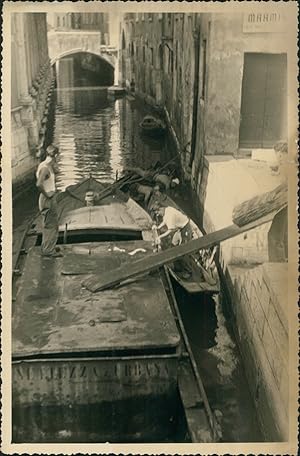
(71, 52)
(81, 67)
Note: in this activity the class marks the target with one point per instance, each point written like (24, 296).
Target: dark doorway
(278, 237)
(264, 100)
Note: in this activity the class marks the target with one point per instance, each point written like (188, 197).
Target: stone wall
(183, 83)
(257, 288)
(22, 160)
(260, 307)
(30, 92)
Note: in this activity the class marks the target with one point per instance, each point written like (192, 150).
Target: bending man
(175, 222)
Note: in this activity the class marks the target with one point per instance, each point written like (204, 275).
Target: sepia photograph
(150, 244)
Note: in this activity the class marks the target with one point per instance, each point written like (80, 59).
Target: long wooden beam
(114, 277)
(260, 205)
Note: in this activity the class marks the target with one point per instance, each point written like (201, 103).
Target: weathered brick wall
(23, 162)
(259, 299)
(258, 289)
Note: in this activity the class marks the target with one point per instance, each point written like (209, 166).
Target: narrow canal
(99, 135)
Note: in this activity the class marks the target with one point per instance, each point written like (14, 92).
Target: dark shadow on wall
(278, 238)
(84, 69)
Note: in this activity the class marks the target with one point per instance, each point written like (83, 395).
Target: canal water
(100, 136)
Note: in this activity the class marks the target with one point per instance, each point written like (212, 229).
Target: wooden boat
(96, 367)
(196, 273)
(116, 91)
(152, 126)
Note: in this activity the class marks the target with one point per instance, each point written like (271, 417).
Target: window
(161, 57)
(123, 40)
(170, 61)
(203, 66)
(151, 56)
(144, 54)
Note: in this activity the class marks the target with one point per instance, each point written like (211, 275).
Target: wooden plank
(79, 264)
(55, 315)
(18, 245)
(111, 278)
(260, 205)
(188, 388)
(209, 422)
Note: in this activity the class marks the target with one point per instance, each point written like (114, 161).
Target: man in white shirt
(45, 175)
(175, 221)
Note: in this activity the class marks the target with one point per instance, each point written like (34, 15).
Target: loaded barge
(104, 366)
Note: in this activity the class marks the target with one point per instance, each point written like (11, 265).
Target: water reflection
(101, 136)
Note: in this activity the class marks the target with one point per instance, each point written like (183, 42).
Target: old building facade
(243, 97)
(82, 21)
(30, 84)
(157, 58)
(214, 71)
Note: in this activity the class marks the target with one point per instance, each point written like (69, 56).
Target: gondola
(152, 126)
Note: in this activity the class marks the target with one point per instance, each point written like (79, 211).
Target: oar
(115, 186)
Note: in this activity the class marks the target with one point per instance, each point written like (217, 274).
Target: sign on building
(272, 22)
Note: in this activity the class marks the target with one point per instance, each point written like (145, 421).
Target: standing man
(47, 203)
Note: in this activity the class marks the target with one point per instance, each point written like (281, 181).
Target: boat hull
(152, 132)
(94, 400)
(116, 91)
(152, 127)
(195, 287)
(92, 367)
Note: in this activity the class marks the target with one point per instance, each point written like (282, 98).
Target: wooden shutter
(264, 94)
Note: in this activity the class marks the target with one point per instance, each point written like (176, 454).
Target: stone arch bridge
(65, 43)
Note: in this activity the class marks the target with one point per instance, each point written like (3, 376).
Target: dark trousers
(48, 210)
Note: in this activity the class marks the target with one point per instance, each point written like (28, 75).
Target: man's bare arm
(164, 234)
